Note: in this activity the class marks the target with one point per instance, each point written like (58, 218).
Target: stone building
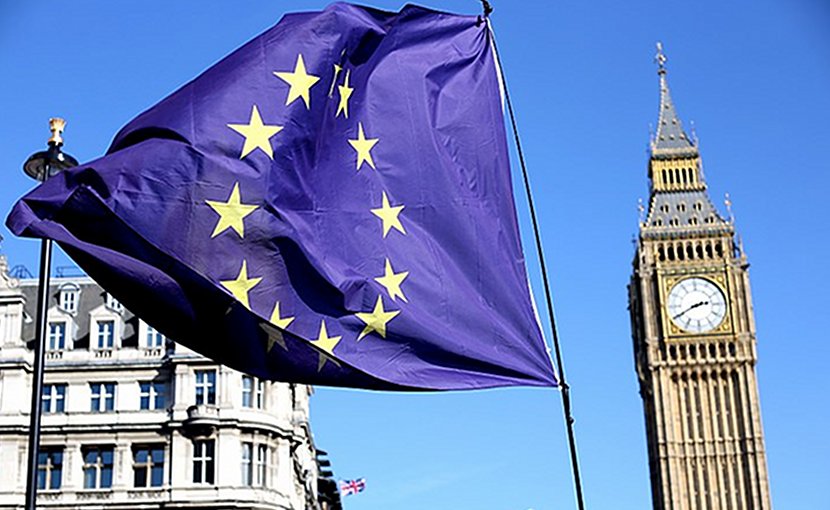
(694, 337)
(133, 420)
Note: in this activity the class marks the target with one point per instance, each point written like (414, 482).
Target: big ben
(694, 336)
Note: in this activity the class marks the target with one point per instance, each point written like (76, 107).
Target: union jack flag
(348, 487)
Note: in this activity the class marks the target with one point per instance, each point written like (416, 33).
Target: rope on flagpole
(566, 398)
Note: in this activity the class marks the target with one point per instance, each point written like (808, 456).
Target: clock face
(696, 305)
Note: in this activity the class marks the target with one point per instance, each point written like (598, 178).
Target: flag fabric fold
(329, 204)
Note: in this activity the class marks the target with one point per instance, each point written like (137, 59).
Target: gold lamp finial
(56, 126)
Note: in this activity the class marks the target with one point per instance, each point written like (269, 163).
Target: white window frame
(50, 469)
(103, 395)
(69, 294)
(51, 397)
(247, 464)
(259, 393)
(51, 340)
(157, 337)
(99, 466)
(255, 393)
(99, 336)
(101, 315)
(148, 465)
(206, 387)
(261, 465)
(203, 463)
(152, 395)
(112, 304)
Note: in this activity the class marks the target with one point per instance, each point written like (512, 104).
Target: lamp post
(40, 166)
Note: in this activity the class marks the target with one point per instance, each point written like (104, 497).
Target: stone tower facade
(694, 337)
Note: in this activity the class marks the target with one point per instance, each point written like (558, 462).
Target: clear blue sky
(754, 77)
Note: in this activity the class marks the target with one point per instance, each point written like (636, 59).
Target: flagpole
(565, 389)
(41, 166)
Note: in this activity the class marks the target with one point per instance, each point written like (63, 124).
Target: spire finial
(660, 58)
(728, 203)
(641, 209)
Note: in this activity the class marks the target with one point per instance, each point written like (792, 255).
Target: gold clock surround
(668, 282)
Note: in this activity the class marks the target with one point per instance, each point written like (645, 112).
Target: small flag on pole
(329, 204)
(349, 487)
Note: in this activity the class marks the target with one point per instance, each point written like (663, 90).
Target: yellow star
(377, 319)
(345, 94)
(242, 285)
(389, 216)
(362, 145)
(272, 336)
(299, 81)
(337, 69)
(275, 337)
(392, 281)
(326, 344)
(257, 135)
(280, 322)
(231, 213)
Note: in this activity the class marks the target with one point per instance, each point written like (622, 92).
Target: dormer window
(153, 337)
(57, 336)
(68, 298)
(112, 303)
(105, 334)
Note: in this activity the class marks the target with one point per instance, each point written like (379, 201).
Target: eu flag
(329, 204)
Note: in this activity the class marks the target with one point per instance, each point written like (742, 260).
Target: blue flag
(329, 204)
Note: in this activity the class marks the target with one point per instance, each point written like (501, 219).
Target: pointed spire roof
(670, 139)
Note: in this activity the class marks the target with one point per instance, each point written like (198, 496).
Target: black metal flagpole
(40, 166)
(566, 395)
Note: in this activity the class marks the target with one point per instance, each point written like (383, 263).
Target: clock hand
(701, 303)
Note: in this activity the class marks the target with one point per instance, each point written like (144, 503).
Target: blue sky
(753, 76)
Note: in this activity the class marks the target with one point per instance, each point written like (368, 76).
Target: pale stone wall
(281, 425)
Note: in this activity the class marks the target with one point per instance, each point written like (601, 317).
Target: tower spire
(670, 139)
(678, 198)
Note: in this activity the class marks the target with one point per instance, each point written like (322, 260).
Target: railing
(94, 494)
(54, 354)
(152, 352)
(146, 493)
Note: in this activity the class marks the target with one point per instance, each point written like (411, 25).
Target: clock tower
(694, 337)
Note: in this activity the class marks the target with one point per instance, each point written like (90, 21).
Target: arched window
(68, 297)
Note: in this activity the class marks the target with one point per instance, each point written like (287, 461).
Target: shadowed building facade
(694, 337)
(134, 420)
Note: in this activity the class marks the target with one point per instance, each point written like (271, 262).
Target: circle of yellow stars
(232, 213)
